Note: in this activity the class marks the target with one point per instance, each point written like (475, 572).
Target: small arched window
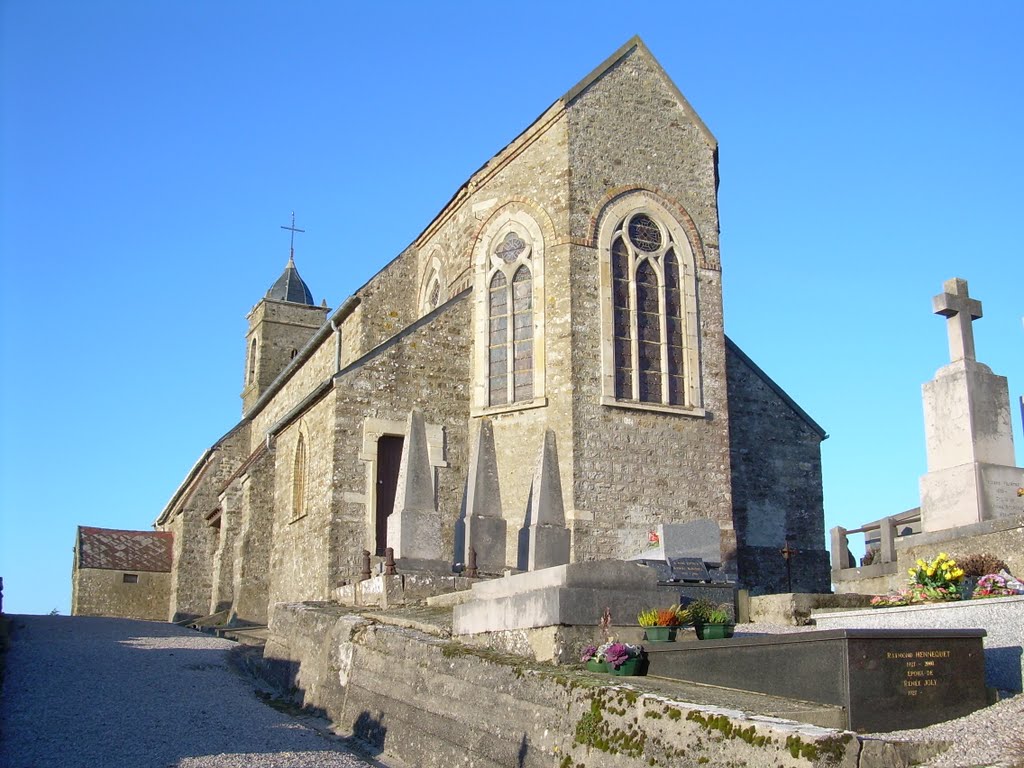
(250, 376)
(299, 479)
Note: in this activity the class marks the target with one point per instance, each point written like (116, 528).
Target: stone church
(567, 300)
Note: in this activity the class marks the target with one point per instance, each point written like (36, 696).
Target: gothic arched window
(299, 479)
(652, 355)
(510, 322)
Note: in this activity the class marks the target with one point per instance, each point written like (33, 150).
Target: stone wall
(280, 329)
(436, 703)
(776, 485)
(636, 468)
(102, 592)
(425, 367)
(317, 369)
(254, 542)
(1002, 538)
(195, 540)
(299, 553)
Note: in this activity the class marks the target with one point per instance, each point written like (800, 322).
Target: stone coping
(952, 605)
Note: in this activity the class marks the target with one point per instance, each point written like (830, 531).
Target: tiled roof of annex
(115, 550)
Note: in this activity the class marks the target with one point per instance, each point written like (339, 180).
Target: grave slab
(886, 680)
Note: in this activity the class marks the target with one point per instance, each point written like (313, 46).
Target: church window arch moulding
(650, 353)
(300, 474)
(509, 312)
(433, 284)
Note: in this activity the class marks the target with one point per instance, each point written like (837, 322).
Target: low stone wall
(1003, 538)
(432, 702)
(796, 608)
(1002, 618)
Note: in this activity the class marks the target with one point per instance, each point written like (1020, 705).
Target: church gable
(631, 128)
(568, 294)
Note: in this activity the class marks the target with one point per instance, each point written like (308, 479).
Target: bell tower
(279, 325)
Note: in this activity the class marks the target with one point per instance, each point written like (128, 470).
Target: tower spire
(293, 229)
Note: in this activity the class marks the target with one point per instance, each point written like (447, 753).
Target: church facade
(571, 290)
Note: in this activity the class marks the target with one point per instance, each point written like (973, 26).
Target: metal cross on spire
(960, 310)
(293, 229)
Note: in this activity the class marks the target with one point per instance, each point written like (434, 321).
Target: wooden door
(389, 457)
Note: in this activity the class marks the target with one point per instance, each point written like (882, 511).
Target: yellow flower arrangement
(937, 579)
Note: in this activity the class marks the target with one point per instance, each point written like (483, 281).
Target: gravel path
(136, 694)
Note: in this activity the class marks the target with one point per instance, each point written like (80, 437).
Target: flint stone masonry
(775, 448)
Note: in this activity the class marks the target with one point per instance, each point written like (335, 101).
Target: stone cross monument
(971, 474)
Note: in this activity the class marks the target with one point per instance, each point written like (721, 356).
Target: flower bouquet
(936, 580)
(995, 585)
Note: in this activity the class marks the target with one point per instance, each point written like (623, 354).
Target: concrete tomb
(575, 594)
(971, 474)
(885, 680)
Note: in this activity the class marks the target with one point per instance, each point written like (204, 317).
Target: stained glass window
(648, 314)
(522, 314)
(498, 342)
(511, 321)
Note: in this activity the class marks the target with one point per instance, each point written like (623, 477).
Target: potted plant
(711, 622)
(660, 624)
(614, 658)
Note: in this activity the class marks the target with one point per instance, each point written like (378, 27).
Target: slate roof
(124, 550)
(291, 287)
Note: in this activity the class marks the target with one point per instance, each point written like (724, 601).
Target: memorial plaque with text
(915, 681)
(688, 569)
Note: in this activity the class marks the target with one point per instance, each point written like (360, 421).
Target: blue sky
(149, 153)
